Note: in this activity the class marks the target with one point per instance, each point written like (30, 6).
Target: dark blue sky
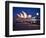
(32, 11)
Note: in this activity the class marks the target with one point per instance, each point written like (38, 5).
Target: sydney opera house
(26, 21)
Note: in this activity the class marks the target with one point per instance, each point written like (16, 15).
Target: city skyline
(26, 18)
